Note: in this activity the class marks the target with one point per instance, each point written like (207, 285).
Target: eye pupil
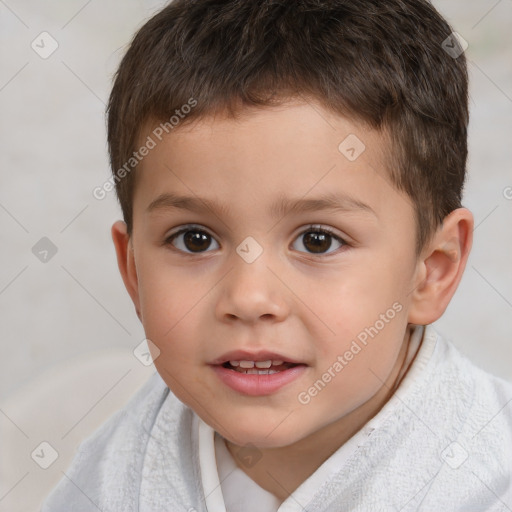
(317, 242)
(196, 241)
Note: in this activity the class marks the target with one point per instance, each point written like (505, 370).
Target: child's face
(306, 297)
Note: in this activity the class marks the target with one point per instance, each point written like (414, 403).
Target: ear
(126, 262)
(440, 267)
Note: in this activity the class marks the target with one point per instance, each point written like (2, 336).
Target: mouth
(257, 374)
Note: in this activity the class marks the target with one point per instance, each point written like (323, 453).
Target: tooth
(255, 371)
(277, 362)
(234, 363)
(264, 364)
(247, 364)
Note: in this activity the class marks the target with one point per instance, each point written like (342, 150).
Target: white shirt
(443, 441)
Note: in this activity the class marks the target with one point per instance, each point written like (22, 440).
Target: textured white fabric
(443, 442)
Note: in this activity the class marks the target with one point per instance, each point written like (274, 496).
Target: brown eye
(192, 240)
(318, 241)
(196, 241)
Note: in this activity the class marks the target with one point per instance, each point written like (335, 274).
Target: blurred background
(73, 349)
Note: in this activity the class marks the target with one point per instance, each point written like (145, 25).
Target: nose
(251, 292)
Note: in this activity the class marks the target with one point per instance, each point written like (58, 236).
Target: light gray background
(52, 131)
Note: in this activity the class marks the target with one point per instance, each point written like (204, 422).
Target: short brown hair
(381, 63)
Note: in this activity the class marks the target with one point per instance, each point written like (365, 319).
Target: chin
(260, 435)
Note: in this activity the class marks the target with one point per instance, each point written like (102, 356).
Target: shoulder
(478, 452)
(140, 411)
(106, 468)
(488, 424)
(481, 399)
(485, 393)
(449, 431)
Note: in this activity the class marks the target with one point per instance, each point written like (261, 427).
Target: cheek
(356, 367)
(174, 327)
(166, 298)
(170, 316)
(354, 298)
(365, 310)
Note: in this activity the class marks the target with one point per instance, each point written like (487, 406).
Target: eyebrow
(328, 202)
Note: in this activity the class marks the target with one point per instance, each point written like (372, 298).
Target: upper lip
(244, 355)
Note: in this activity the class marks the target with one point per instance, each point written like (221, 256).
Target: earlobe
(126, 262)
(441, 266)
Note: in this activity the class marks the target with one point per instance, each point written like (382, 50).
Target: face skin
(310, 306)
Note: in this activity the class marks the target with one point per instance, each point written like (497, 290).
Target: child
(314, 154)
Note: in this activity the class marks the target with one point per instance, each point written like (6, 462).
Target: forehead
(295, 149)
(288, 123)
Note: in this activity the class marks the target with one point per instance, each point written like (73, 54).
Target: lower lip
(258, 385)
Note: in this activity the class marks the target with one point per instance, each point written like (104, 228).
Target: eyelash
(312, 228)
